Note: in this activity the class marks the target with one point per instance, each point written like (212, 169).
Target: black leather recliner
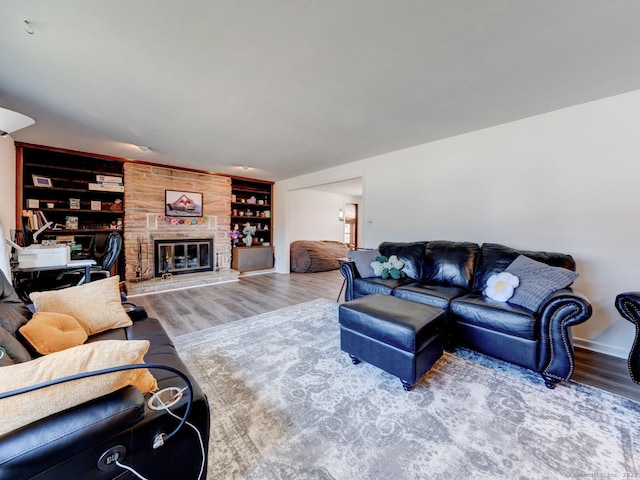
(70, 443)
(628, 304)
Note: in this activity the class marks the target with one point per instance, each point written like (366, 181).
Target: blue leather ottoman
(400, 337)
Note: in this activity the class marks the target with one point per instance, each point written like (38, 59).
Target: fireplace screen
(178, 256)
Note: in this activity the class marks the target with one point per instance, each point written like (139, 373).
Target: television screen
(182, 204)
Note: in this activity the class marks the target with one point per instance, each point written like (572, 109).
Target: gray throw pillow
(537, 281)
(363, 259)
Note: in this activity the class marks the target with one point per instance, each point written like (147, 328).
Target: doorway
(351, 225)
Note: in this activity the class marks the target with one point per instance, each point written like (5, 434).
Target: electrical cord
(161, 438)
(126, 467)
(166, 408)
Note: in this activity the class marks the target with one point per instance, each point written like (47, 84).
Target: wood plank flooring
(190, 310)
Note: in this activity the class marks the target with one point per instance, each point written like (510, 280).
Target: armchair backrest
(107, 248)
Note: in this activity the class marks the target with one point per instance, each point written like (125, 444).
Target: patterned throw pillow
(537, 281)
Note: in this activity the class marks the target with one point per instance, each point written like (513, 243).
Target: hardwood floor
(190, 310)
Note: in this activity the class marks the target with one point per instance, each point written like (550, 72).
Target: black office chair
(106, 249)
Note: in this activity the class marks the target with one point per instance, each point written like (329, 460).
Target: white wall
(7, 183)
(314, 215)
(563, 181)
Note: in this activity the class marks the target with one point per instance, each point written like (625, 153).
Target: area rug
(287, 403)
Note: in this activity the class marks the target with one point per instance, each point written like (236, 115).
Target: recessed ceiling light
(144, 148)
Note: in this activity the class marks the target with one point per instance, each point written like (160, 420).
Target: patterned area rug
(287, 403)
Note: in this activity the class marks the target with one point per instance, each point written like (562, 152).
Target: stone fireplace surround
(144, 221)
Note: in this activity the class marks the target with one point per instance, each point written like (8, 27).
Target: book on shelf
(106, 187)
(108, 179)
(36, 218)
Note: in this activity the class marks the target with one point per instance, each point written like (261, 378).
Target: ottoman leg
(355, 360)
(406, 385)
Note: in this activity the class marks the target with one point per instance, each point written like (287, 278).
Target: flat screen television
(182, 204)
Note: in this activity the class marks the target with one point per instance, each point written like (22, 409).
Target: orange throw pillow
(50, 332)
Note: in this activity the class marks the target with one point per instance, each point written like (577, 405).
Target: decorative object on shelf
(116, 206)
(183, 221)
(97, 205)
(71, 223)
(251, 200)
(183, 204)
(39, 181)
(33, 203)
(248, 232)
(74, 203)
(235, 236)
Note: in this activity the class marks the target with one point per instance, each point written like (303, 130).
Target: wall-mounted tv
(182, 204)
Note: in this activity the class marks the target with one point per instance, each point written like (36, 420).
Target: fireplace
(182, 255)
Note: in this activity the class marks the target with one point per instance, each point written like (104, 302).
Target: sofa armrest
(29, 450)
(560, 311)
(349, 272)
(628, 305)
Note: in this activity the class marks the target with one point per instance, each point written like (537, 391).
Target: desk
(87, 264)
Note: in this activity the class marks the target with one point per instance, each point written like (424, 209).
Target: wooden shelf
(257, 256)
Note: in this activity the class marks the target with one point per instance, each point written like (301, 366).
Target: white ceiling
(294, 86)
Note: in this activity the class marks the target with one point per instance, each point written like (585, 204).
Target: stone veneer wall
(144, 213)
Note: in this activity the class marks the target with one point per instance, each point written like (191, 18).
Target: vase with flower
(248, 232)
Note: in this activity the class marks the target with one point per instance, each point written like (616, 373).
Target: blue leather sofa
(453, 275)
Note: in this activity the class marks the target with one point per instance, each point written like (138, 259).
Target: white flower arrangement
(500, 287)
(388, 267)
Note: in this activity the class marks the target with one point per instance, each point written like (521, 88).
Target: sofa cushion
(49, 332)
(434, 295)
(502, 317)
(450, 263)
(11, 350)
(537, 281)
(363, 260)
(9, 299)
(84, 358)
(368, 286)
(411, 254)
(495, 258)
(96, 305)
(11, 319)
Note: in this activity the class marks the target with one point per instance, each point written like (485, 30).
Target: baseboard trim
(601, 348)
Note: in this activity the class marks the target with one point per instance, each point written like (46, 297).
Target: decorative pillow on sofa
(84, 358)
(500, 287)
(411, 254)
(537, 281)
(11, 350)
(49, 332)
(363, 259)
(388, 267)
(96, 305)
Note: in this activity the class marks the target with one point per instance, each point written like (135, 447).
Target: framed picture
(182, 204)
(39, 181)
